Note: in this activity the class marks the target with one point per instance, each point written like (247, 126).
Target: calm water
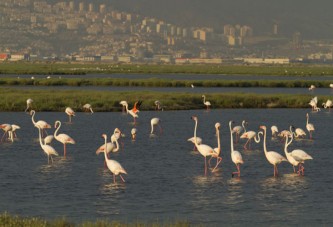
(165, 178)
(181, 77)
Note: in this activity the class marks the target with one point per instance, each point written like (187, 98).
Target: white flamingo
(62, 138)
(70, 112)
(206, 103)
(204, 149)
(155, 121)
(299, 133)
(158, 105)
(309, 126)
(274, 130)
(312, 87)
(48, 139)
(48, 150)
(236, 156)
(192, 139)
(313, 103)
(43, 125)
(12, 133)
(124, 104)
(273, 157)
(328, 104)
(133, 133)
(331, 85)
(217, 150)
(249, 135)
(238, 130)
(7, 128)
(113, 165)
(87, 107)
(29, 104)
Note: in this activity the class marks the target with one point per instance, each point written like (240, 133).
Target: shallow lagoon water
(165, 178)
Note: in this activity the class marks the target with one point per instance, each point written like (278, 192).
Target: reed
(108, 101)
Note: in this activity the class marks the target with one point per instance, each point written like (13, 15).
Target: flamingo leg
(161, 130)
(3, 136)
(205, 166)
(294, 169)
(218, 161)
(122, 178)
(238, 171)
(114, 178)
(64, 149)
(210, 160)
(246, 144)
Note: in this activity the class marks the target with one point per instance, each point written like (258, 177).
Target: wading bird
(70, 112)
(155, 121)
(206, 103)
(217, 150)
(29, 104)
(48, 150)
(87, 107)
(43, 125)
(62, 137)
(236, 156)
(309, 126)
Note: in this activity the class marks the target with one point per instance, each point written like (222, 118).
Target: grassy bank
(155, 82)
(61, 68)
(14, 221)
(52, 100)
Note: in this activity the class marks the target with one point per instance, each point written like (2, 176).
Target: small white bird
(70, 112)
(192, 85)
(312, 87)
(331, 85)
(206, 103)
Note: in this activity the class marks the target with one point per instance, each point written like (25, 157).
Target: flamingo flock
(296, 157)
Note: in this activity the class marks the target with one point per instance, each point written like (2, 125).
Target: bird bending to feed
(217, 150)
(12, 133)
(236, 156)
(70, 112)
(48, 150)
(113, 165)
(7, 128)
(155, 121)
(312, 87)
(204, 149)
(328, 104)
(274, 130)
(62, 138)
(273, 157)
(206, 103)
(158, 105)
(43, 125)
(133, 133)
(29, 104)
(238, 129)
(298, 133)
(134, 111)
(249, 135)
(124, 104)
(87, 107)
(309, 126)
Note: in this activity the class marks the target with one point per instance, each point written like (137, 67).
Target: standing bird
(113, 165)
(7, 128)
(249, 135)
(70, 112)
(206, 103)
(155, 121)
(236, 156)
(204, 149)
(313, 103)
(124, 104)
(133, 112)
(158, 105)
(290, 158)
(274, 130)
(328, 104)
(48, 150)
(48, 139)
(62, 138)
(298, 133)
(29, 104)
(12, 133)
(112, 146)
(331, 85)
(273, 157)
(133, 133)
(238, 130)
(309, 126)
(312, 87)
(87, 107)
(217, 150)
(43, 125)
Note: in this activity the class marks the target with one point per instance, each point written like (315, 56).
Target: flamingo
(113, 165)
(133, 112)
(12, 133)
(204, 149)
(112, 146)
(273, 157)
(297, 157)
(192, 139)
(62, 138)
(331, 85)
(48, 139)
(7, 128)
(123, 103)
(312, 87)
(274, 130)
(43, 125)
(192, 86)
(206, 103)
(249, 135)
(290, 158)
(299, 133)
(217, 150)
(70, 112)
(29, 104)
(48, 150)
(238, 129)
(133, 133)
(313, 103)
(155, 121)
(285, 132)
(116, 136)
(87, 107)
(158, 105)
(328, 104)
(236, 156)
(309, 126)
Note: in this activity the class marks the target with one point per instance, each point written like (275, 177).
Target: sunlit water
(166, 178)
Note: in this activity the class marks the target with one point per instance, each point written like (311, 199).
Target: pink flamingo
(62, 138)
(70, 112)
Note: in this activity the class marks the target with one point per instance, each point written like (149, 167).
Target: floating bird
(124, 104)
(48, 150)
(217, 150)
(48, 77)
(62, 138)
(238, 130)
(113, 165)
(236, 156)
(204, 149)
(87, 107)
(155, 121)
(328, 104)
(309, 126)
(29, 104)
(70, 112)
(273, 157)
(43, 125)
(206, 103)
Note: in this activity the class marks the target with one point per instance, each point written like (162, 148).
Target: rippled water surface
(166, 178)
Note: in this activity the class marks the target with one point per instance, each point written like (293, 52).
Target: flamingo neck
(56, 131)
(33, 117)
(152, 128)
(257, 140)
(218, 139)
(287, 144)
(105, 148)
(243, 124)
(265, 149)
(204, 99)
(117, 146)
(307, 119)
(231, 139)
(195, 133)
(40, 137)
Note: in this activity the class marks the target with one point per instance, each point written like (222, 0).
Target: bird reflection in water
(110, 196)
(235, 191)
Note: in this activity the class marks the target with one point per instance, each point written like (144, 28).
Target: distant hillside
(313, 19)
